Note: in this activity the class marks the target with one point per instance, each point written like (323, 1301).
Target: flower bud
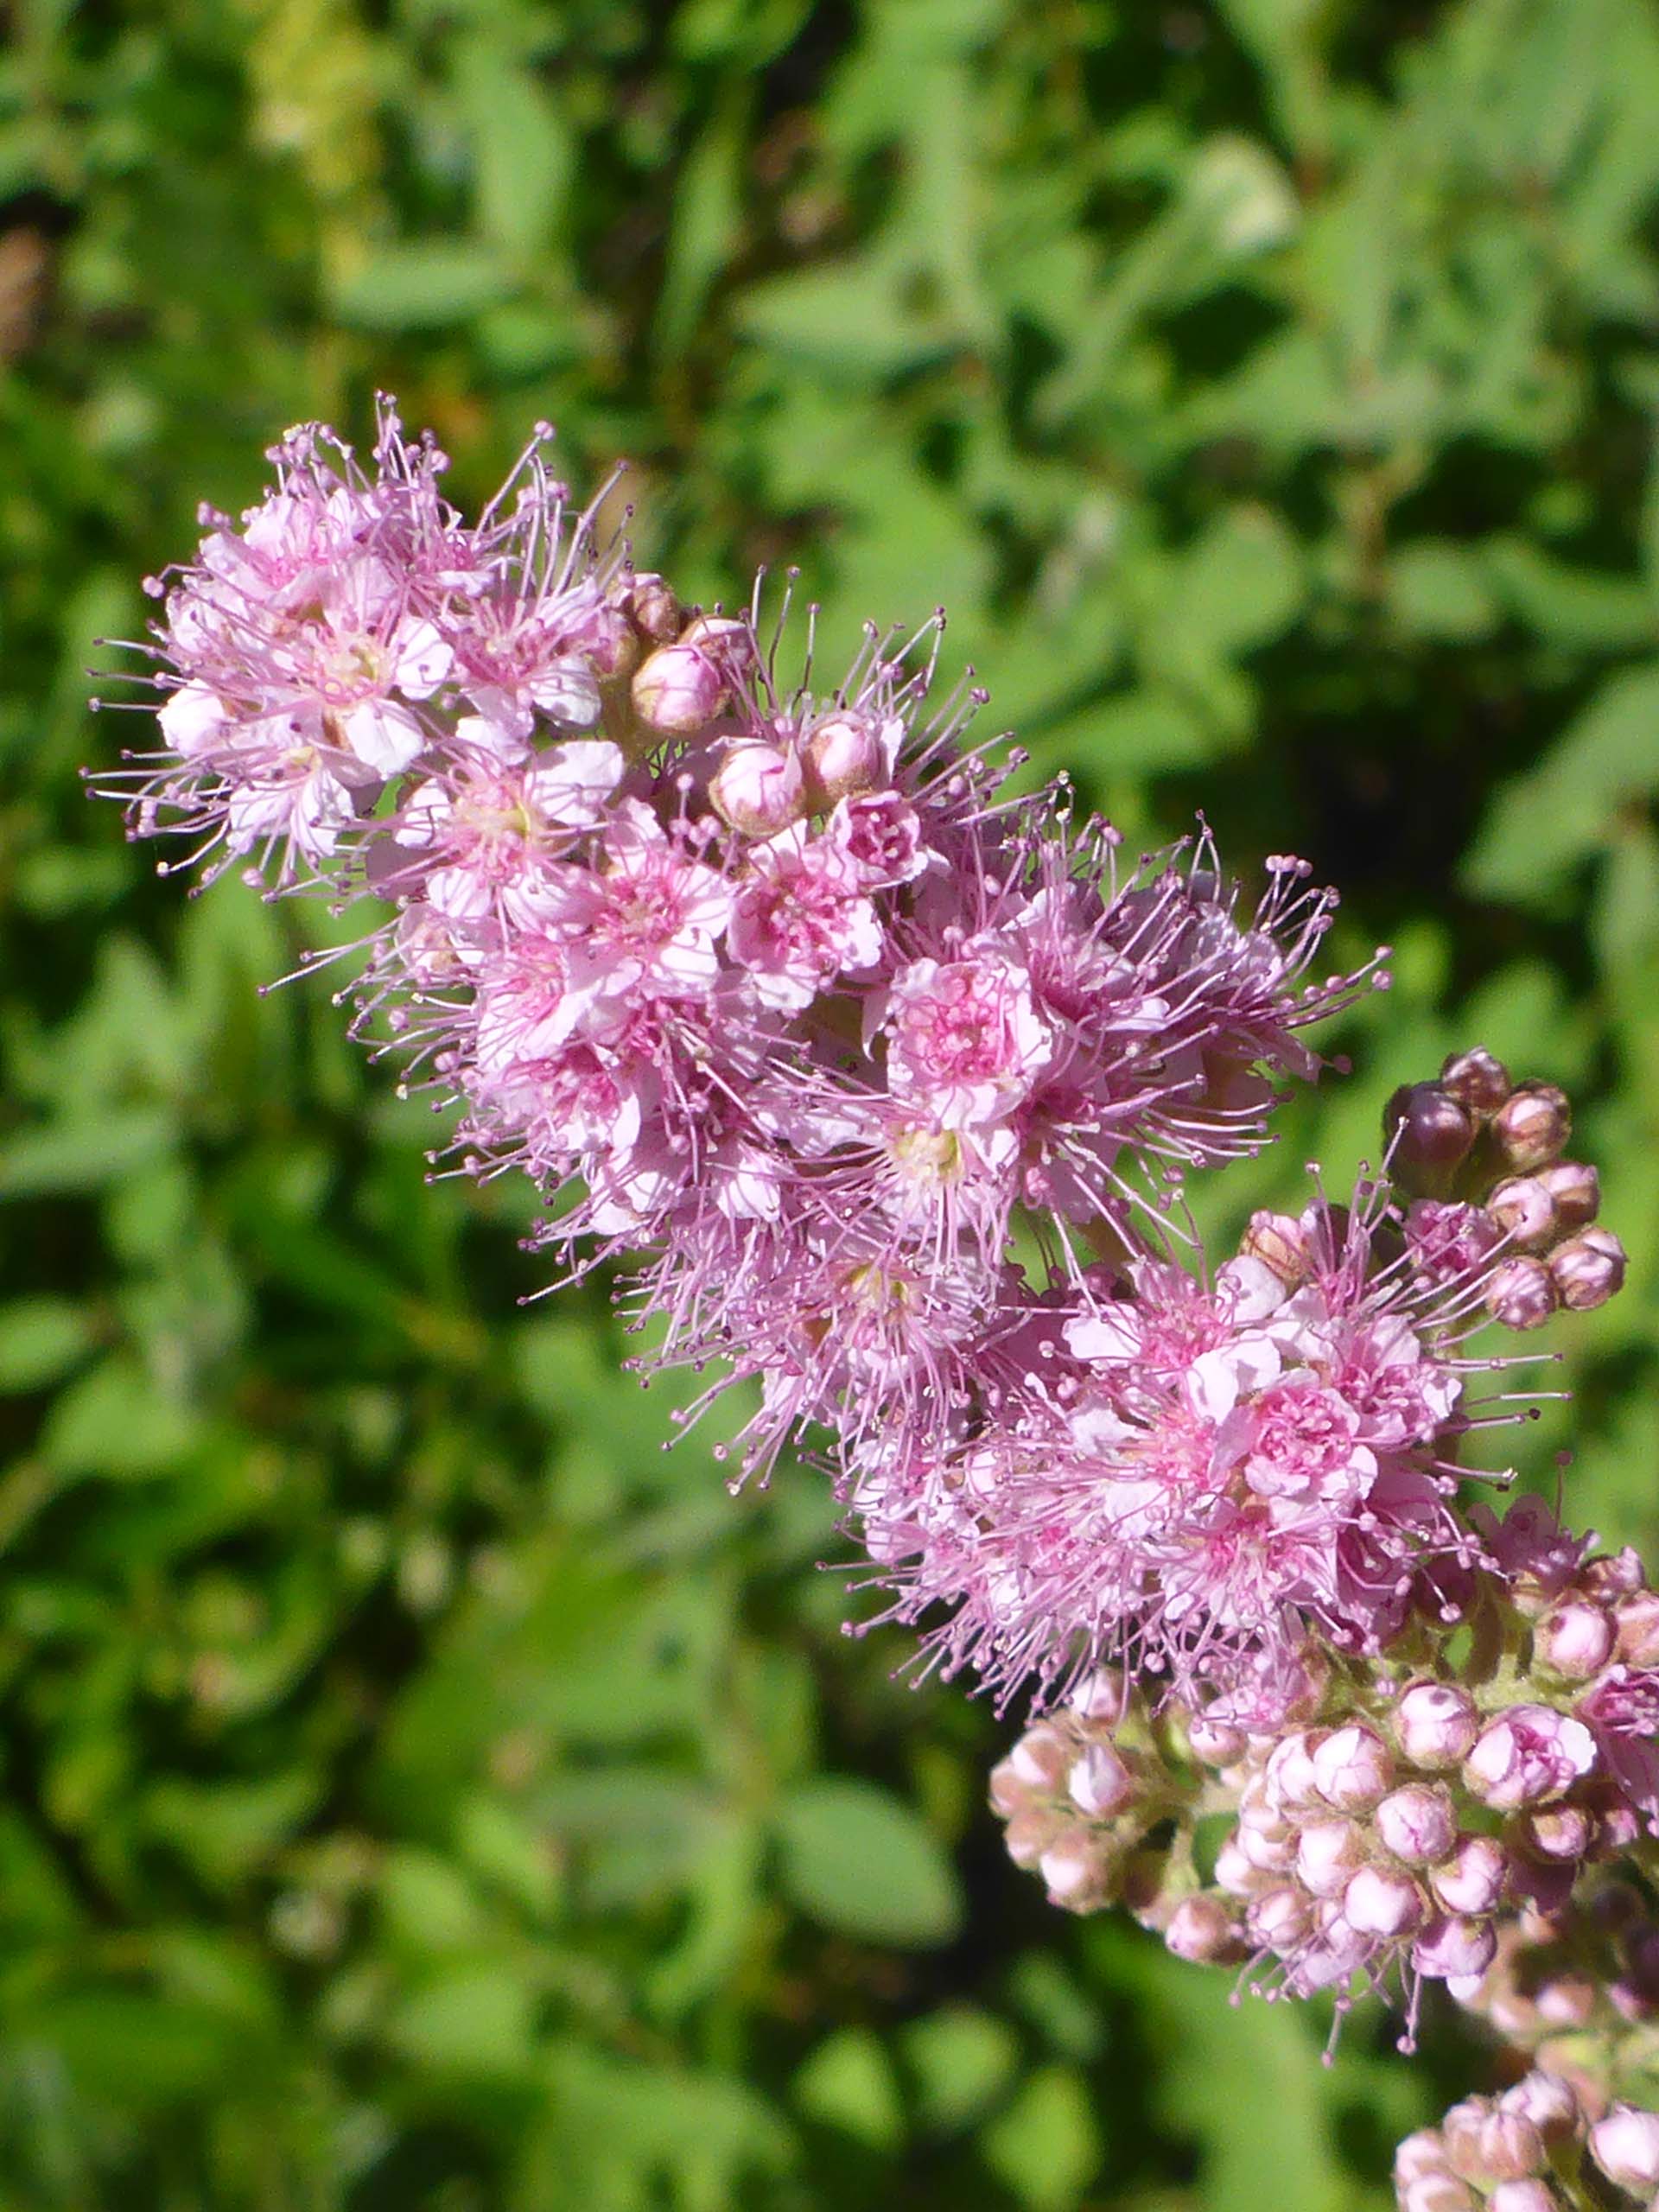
(1532, 2194)
(1637, 1616)
(1522, 1294)
(1029, 1832)
(1529, 1755)
(1477, 1081)
(1290, 1775)
(846, 755)
(606, 641)
(1280, 1920)
(1428, 1135)
(1203, 1931)
(1280, 1241)
(758, 790)
(1327, 1854)
(1077, 1869)
(1486, 2144)
(1099, 1783)
(1417, 1824)
(1558, 1832)
(1524, 1210)
(1352, 1769)
(1040, 1758)
(1548, 2103)
(1448, 1238)
(1565, 2002)
(650, 604)
(1103, 1696)
(679, 689)
(1624, 2144)
(1588, 1269)
(1234, 1871)
(1574, 1191)
(1420, 2152)
(1379, 1902)
(1473, 1878)
(1435, 1724)
(1532, 1126)
(1451, 1948)
(1439, 2191)
(1574, 1641)
(1216, 1743)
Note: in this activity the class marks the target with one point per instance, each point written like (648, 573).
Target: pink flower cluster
(790, 1010)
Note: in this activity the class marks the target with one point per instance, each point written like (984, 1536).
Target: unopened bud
(1548, 2103)
(1029, 1832)
(650, 604)
(1637, 1616)
(1379, 1902)
(1532, 1126)
(1435, 1724)
(1040, 1758)
(1099, 1783)
(1486, 2144)
(1280, 1241)
(679, 689)
(1216, 1743)
(606, 641)
(1589, 1268)
(1532, 2194)
(1565, 2002)
(1529, 1756)
(1624, 2144)
(1280, 1920)
(1417, 1824)
(1202, 1930)
(1524, 1210)
(1574, 1191)
(1560, 1833)
(1438, 2191)
(1522, 1294)
(1328, 1853)
(1234, 1871)
(1427, 1134)
(1453, 1950)
(1077, 1869)
(1352, 1769)
(1103, 1696)
(1474, 1878)
(1477, 1081)
(1575, 1640)
(846, 755)
(758, 790)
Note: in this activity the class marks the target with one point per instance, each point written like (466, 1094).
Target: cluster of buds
(1482, 1158)
(1401, 1813)
(1537, 2147)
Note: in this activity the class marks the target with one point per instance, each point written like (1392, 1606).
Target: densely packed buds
(1481, 1154)
(1394, 1824)
(1521, 2152)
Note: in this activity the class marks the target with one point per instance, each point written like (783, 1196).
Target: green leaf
(113, 1421)
(862, 1862)
(960, 2059)
(40, 1338)
(848, 2083)
(431, 284)
(475, 2020)
(1437, 588)
(1046, 2146)
(1542, 825)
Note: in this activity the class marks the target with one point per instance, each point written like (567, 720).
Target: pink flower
(965, 1042)
(801, 920)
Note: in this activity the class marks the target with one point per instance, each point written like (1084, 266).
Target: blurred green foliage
(420, 1793)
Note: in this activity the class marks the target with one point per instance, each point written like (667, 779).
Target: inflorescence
(879, 1086)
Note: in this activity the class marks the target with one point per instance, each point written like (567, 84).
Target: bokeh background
(420, 1793)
